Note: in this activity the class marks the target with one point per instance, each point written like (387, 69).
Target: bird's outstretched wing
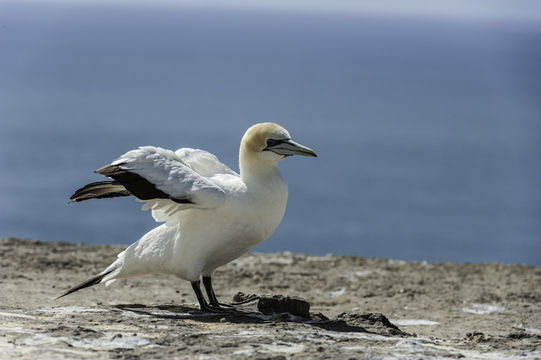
(203, 162)
(155, 173)
(167, 181)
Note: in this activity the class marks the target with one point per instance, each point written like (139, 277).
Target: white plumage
(211, 214)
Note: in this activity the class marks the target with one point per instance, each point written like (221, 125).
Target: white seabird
(211, 214)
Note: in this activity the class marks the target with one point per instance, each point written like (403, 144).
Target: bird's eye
(273, 142)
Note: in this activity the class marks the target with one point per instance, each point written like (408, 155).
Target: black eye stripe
(274, 142)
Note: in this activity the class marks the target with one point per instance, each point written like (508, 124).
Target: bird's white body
(197, 241)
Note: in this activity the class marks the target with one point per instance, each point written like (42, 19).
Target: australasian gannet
(211, 214)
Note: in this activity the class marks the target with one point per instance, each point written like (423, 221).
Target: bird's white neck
(253, 169)
(267, 189)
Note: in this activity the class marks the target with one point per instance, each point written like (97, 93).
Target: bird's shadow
(246, 315)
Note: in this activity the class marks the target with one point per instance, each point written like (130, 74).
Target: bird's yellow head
(270, 141)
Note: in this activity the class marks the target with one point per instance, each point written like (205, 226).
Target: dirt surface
(359, 308)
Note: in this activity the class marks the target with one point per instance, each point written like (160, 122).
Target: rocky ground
(360, 309)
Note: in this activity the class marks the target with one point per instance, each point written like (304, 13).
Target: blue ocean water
(428, 131)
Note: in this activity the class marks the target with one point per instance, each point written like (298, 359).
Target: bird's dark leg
(213, 301)
(207, 281)
(196, 285)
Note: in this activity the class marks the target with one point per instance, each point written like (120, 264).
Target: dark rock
(277, 304)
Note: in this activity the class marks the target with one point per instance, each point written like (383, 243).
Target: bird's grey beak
(290, 147)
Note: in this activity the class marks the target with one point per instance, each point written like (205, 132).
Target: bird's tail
(99, 190)
(90, 282)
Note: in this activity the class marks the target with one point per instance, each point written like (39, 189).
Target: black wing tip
(99, 190)
(135, 185)
(110, 170)
(101, 196)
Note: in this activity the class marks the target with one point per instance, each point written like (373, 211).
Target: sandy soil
(446, 310)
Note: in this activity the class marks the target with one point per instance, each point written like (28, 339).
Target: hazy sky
(501, 10)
